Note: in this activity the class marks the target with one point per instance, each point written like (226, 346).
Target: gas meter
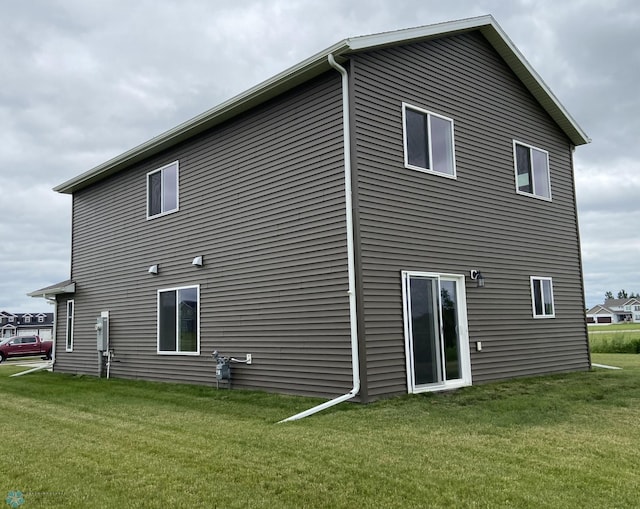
(223, 369)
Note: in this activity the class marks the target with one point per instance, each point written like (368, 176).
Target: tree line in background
(622, 294)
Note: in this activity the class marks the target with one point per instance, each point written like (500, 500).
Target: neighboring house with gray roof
(615, 311)
(26, 324)
(394, 214)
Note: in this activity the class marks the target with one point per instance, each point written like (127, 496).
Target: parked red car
(23, 346)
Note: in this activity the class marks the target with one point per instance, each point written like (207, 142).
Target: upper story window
(428, 141)
(162, 190)
(27, 319)
(532, 171)
(41, 319)
(542, 297)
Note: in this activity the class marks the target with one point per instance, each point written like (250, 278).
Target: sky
(85, 81)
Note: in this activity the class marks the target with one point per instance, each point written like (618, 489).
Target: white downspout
(53, 301)
(353, 316)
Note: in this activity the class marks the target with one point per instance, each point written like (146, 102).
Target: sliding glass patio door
(436, 337)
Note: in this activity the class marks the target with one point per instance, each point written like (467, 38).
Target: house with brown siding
(394, 214)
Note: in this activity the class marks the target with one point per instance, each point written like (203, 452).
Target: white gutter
(353, 316)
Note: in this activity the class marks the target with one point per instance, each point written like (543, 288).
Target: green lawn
(557, 442)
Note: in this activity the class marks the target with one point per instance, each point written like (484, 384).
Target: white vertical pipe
(353, 316)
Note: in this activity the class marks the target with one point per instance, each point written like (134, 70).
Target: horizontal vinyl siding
(84, 357)
(262, 200)
(410, 220)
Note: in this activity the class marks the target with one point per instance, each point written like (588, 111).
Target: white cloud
(84, 81)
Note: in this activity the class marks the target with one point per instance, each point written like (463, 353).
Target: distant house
(615, 311)
(394, 214)
(26, 324)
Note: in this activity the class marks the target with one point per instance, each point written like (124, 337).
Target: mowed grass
(613, 327)
(560, 441)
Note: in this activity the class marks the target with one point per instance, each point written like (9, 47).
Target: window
(428, 142)
(178, 320)
(532, 171)
(162, 190)
(542, 297)
(41, 319)
(636, 308)
(27, 319)
(70, 311)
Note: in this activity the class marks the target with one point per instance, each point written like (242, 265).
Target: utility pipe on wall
(353, 317)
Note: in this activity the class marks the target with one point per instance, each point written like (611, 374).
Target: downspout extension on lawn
(353, 316)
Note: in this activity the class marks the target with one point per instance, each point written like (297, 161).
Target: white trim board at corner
(603, 366)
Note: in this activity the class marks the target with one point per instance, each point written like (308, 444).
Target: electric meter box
(102, 331)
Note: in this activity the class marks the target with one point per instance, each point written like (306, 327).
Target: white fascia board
(272, 87)
(317, 64)
(55, 290)
(497, 37)
(532, 80)
(406, 36)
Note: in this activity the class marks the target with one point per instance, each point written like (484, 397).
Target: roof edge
(317, 64)
(534, 82)
(261, 92)
(53, 290)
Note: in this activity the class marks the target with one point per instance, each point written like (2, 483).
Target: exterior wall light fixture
(477, 276)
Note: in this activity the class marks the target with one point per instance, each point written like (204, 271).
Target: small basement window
(162, 190)
(542, 297)
(428, 141)
(532, 171)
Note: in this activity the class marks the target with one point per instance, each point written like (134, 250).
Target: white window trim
(163, 352)
(404, 139)
(533, 300)
(164, 213)
(515, 171)
(69, 327)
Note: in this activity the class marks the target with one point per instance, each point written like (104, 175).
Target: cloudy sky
(84, 81)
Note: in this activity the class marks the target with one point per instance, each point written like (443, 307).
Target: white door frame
(463, 332)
